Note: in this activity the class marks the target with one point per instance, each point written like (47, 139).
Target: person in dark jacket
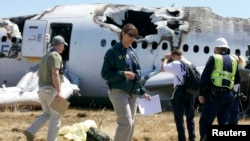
(121, 70)
(216, 87)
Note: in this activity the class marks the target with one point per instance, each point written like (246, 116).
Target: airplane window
(64, 29)
(103, 43)
(134, 44)
(4, 39)
(206, 49)
(185, 48)
(154, 45)
(14, 40)
(164, 46)
(237, 52)
(144, 45)
(196, 48)
(113, 42)
(247, 53)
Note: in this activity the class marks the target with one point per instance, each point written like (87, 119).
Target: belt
(177, 86)
(221, 89)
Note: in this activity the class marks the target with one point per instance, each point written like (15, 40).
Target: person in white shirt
(182, 102)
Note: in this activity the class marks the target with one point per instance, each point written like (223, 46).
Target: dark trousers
(234, 114)
(183, 103)
(219, 105)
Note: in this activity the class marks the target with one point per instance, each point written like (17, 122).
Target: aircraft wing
(162, 79)
(159, 79)
(161, 83)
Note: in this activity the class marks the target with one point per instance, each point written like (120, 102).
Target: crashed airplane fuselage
(91, 29)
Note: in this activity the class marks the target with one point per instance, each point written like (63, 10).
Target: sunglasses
(131, 35)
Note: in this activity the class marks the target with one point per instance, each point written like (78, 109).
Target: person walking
(182, 102)
(121, 70)
(216, 87)
(50, 79)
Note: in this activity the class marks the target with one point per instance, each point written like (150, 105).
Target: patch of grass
(160, 127)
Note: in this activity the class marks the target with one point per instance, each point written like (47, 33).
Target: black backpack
(191, 79)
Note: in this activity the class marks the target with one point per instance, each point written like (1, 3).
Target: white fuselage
(92, 33)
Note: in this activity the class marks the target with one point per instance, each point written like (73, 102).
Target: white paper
(151, 107)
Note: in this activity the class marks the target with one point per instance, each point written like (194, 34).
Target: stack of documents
(151, 107)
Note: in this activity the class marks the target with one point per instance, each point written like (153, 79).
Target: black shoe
(28, 135)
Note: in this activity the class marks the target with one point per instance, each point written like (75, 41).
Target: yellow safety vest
(219, 74)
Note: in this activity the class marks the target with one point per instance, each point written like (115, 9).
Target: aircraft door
(34, 42)
(63, 29)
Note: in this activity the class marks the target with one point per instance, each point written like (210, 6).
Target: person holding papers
(122, 72)
(182, 102)
(50, 79)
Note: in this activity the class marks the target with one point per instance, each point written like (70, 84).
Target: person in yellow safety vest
(216, 88)
(218, 74)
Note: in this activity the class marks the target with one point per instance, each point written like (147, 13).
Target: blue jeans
(125, 106)
(183, 103)
(46, 94)
(218, 105)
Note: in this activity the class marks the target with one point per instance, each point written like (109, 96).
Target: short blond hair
(241, 60)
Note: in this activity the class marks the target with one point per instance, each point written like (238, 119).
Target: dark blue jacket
(113, 66)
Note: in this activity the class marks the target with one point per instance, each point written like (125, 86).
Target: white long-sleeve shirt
(178, 69)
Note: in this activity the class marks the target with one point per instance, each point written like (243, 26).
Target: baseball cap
(57, 40)
(221, 42)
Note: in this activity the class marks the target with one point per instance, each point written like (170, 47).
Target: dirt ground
(159, 127)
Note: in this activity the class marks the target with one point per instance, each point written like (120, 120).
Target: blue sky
(225, 8)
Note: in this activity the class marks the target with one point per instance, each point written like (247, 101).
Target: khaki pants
(46, 94)
(125, 106)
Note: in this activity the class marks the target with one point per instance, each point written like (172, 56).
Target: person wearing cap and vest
(216, 87)
(50, 79)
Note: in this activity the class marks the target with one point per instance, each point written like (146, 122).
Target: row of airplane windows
(144, 45)
(13, 39)
(165, 46)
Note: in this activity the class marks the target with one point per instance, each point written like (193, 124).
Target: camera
(242, 97)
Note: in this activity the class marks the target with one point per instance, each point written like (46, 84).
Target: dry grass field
(160, 127)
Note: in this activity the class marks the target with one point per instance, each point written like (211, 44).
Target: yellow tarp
(77, 132)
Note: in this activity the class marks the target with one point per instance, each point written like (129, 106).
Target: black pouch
(94, 134)
(213, 91)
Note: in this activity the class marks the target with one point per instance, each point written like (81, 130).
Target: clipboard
(59, 106)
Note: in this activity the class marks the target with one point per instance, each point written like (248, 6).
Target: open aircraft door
(34, 42)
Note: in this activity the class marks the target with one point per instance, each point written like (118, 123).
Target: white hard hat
(221, 42)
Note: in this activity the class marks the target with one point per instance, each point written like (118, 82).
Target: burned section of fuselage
(10, 43)
(154, 24)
